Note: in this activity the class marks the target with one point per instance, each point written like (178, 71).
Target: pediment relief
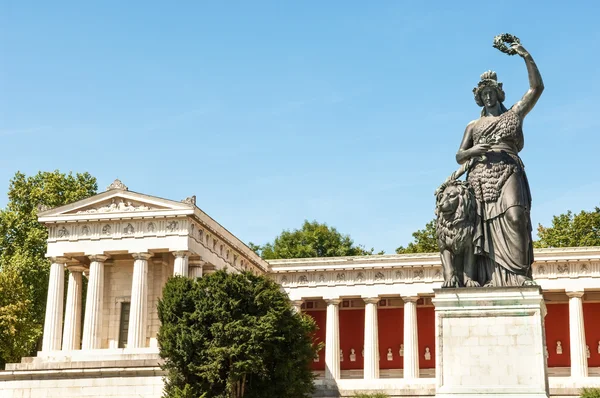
(117, 205)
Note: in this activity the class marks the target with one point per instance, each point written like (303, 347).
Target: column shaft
(332, 340)
(411, 338)
(72, 331)
(94, 305)
(579, 366)
(181, 263)
(54, 306)
(371, 367)
(139, 302)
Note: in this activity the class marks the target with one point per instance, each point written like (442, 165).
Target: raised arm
(468, 149)
(536, 85)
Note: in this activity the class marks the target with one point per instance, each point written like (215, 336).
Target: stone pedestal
(490, 342)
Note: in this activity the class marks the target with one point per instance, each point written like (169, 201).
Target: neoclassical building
(375, 313)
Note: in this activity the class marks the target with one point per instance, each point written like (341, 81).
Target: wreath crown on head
(488, 79)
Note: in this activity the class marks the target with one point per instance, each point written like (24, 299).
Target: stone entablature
(554, 269)
(122, 221)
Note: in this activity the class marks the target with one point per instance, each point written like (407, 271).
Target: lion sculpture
(456, 217)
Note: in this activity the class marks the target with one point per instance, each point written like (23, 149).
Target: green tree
(569, 229)
(425, 241)
(18, 329)
(312, 240)
(232, 336)
(23, 245)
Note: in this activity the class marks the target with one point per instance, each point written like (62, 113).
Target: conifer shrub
(232, 336)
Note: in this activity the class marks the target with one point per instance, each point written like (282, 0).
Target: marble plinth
(490, 342)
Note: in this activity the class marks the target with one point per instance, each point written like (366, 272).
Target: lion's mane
(455, 229)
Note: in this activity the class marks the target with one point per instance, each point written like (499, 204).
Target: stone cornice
(569, 254)
(551, 264)
(227, 238)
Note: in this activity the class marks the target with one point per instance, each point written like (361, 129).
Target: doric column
(136, 336)
(54, 305)
(411, 338)
(297, 304)
(579, 366)
(371, 368)
(332, 340)
(94, 303)
(181, 263)
(72, 331)
(195, 268)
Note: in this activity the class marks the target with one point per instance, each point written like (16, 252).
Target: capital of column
(196, 262)
(181, 254)
(410, 299)
(371, 300)
(141, 256)
(575, 294)
(59, 259)
(336, 301)
(76, 268)
(98, 257)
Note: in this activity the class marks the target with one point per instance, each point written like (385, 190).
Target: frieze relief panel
(360, 277)
(116, 229)
(579, 269)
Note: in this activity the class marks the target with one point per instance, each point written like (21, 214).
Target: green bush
(590, 393)
(232, 336)
(371, 395)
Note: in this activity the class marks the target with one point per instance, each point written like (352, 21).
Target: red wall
(352, 335)
(557, 328)
(320, 318)
(591, 319)
(426, 325)
(391, 335)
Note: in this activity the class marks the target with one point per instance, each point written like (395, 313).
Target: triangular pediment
(117, 203)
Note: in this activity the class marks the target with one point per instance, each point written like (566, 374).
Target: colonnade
(371, 338)
(70, 338)
(579, 365)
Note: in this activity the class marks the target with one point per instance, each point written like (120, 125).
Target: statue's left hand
(519, 49)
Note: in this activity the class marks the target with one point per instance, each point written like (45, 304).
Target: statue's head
(488, 91)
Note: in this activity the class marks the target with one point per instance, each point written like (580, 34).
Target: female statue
(502, 236)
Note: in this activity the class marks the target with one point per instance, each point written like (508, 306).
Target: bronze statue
(502, 240)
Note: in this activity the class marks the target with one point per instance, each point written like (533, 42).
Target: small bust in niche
(316, 358)
(352, 355)
(587, 351)
(390, 356)
(427, 354)
(559, 347)
(401, 352)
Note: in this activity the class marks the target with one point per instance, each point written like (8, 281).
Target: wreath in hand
(500, 40)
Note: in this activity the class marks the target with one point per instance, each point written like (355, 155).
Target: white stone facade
(126, 245)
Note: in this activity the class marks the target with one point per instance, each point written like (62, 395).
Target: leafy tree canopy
(232, 336)
(569, 229)
(312, 240)
(425, 241)
(18, 329)
(23, 249)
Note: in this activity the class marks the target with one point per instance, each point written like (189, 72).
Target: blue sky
(346, 112)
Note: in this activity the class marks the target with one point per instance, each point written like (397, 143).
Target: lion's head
(455, 200)
(456, 214)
